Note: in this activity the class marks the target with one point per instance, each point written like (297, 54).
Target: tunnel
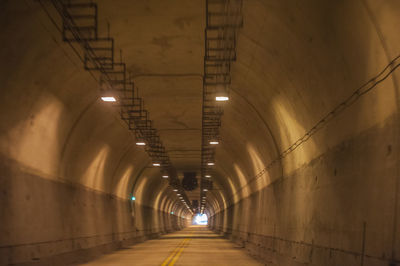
(206, 132)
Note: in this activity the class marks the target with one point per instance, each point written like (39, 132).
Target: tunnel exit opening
(200, 219)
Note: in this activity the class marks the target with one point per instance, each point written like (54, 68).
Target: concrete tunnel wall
(334, 199)
(69, 165)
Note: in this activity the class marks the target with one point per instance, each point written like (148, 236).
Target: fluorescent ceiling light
(108, 99)
(140, 143)
(221, 98)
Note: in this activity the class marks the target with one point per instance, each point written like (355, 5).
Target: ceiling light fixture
(221, 94)
(108, 99)
(222, 98)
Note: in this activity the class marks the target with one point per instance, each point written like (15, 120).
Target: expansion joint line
(350, 100)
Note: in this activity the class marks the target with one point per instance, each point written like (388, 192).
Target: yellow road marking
(173, 253)
(172, 263)
(176, 253)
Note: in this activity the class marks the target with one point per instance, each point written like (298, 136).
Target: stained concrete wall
(68, 165)
(334, 199)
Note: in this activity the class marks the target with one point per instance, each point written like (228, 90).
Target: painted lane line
(176, 257)
(173, 253)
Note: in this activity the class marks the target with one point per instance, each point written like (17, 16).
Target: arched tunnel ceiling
(73, 181)
(294, 64)
(163, 46)
(287, 57)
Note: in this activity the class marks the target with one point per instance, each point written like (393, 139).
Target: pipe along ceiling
(121, 120)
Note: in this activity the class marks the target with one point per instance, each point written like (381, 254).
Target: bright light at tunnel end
(200, 219)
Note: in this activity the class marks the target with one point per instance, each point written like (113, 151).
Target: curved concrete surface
(69, 166)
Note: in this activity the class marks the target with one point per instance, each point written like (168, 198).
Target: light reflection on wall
(94, 174)
(258, 165)
(121, 191)
(242, 181)
(157, 204)
(289, 128)
(289, 132)
(163, 203)
(235, 195)
(140, 189)
(222, 195)
(122, 186)
(34, 142)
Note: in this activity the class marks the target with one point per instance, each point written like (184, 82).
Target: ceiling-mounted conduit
(80, 26)
(223, 19)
